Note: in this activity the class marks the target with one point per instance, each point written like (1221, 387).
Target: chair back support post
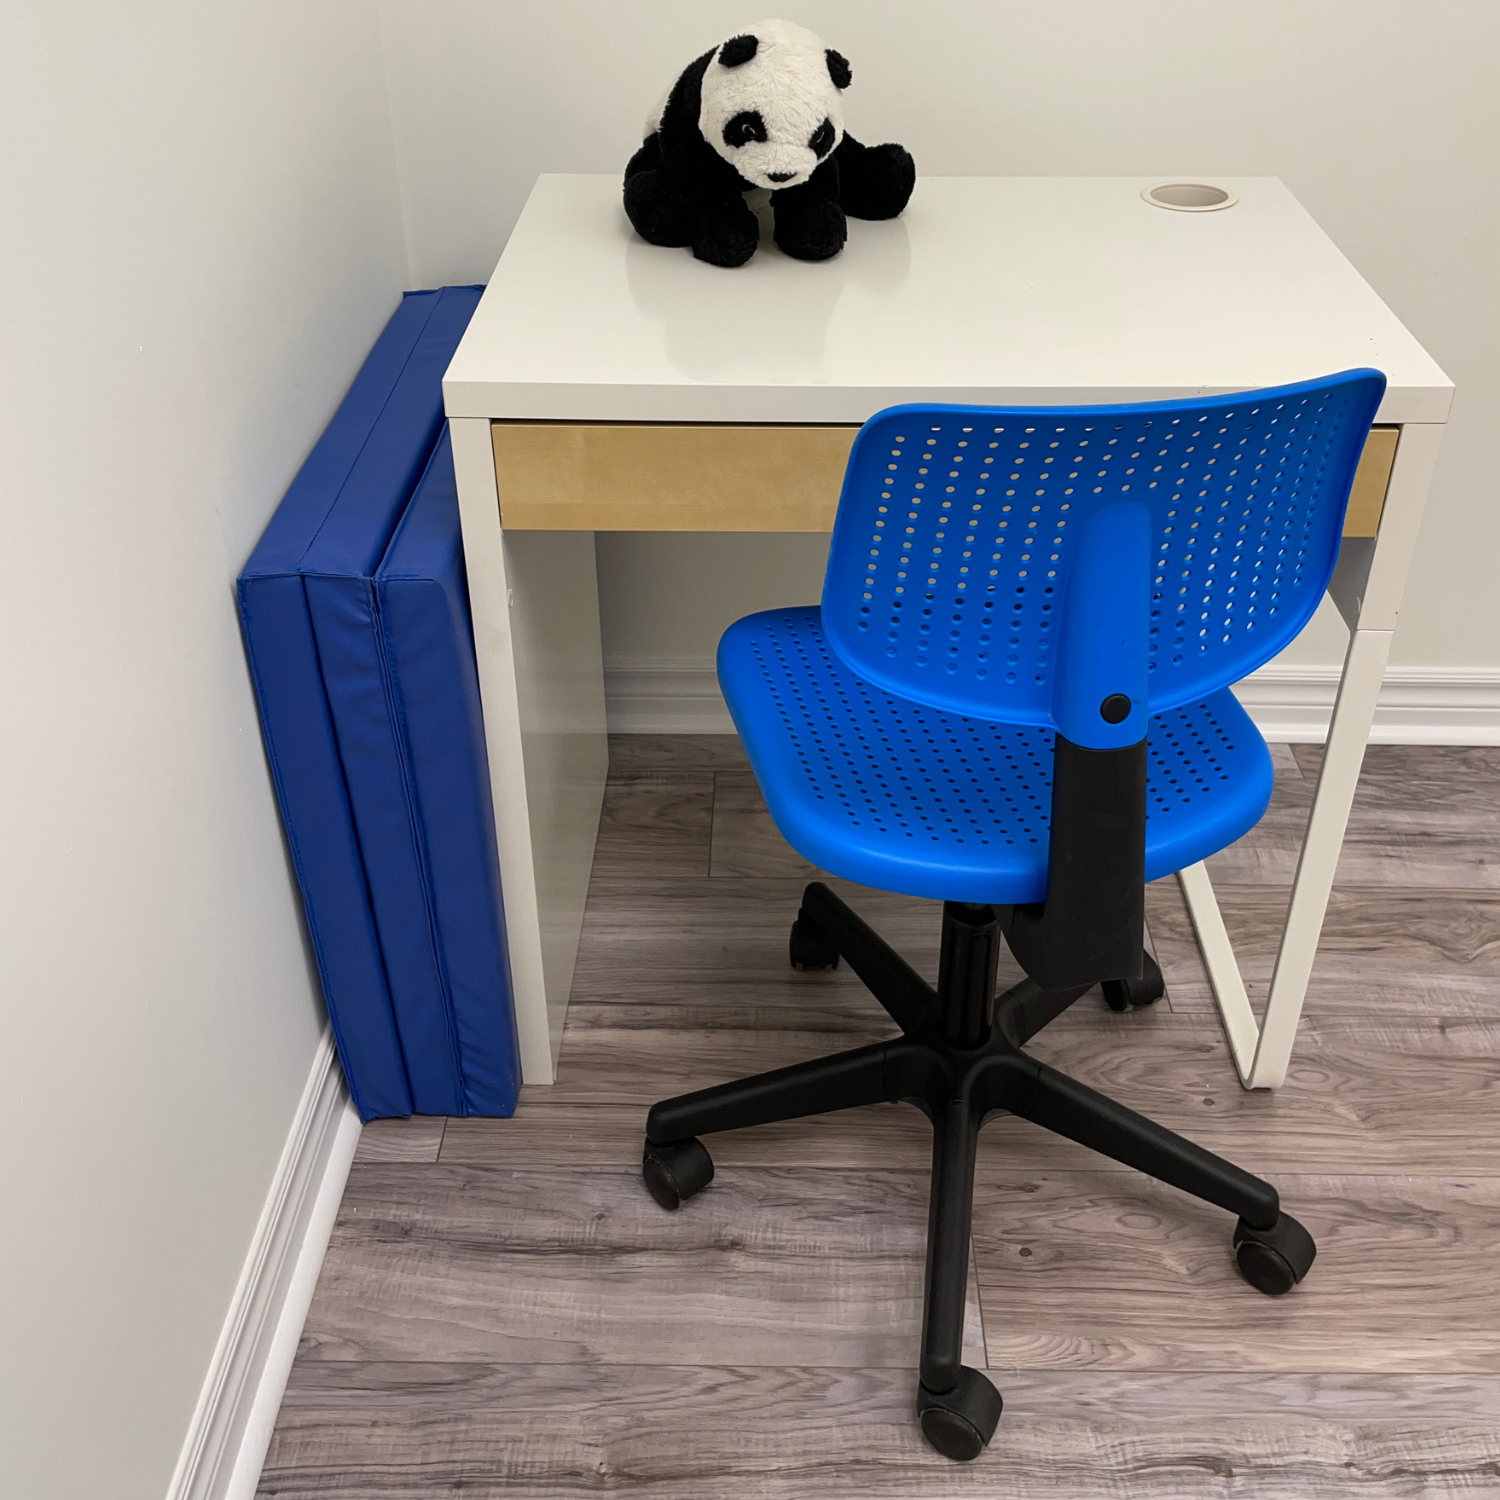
(1104, 631)
(1091, 922)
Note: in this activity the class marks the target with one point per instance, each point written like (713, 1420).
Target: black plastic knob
(1115, 709)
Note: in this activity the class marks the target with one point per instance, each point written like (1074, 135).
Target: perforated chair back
(960, 528)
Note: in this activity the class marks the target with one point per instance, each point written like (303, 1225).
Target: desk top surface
(998, 290)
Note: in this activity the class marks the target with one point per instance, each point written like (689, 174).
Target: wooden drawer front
(560, 476)
(1371, 479)
(556, 476)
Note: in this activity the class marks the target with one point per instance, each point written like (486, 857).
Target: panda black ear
(737, 50)
(839, 69)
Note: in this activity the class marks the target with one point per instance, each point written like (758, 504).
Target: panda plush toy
(762, 111)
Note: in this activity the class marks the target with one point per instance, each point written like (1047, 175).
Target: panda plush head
(761, 111)
(770, 103)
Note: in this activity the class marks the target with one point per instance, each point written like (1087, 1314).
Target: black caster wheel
(809, 949)
(1122, 994)
(958, 1423)
(677, 1170)
(1274, 1260)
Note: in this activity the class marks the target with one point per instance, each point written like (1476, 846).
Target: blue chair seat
(893, 794)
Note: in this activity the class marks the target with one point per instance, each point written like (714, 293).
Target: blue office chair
(1015, 699)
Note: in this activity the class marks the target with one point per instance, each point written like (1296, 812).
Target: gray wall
(1383, 116)
(202, 239)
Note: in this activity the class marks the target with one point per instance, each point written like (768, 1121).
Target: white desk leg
(1218, 957)
(534, 597)
(1369, 605)
(1367, 588)
(1261, 1053)
(1348, 734)
(1223, 972)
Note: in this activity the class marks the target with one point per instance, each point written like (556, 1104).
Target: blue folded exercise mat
(356, 620)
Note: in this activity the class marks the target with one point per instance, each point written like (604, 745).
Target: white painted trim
(664, 695)
(230, 1431)
(1418, 705)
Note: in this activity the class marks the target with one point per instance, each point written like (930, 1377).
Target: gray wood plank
(409, 1431)
(655, 823)
(1105, 1270)
(746, 841)
(1423, 815)
(724, 935)
(779, 1265)
(518, 1316)
(1384, 948)
(1377, 1093)
(416, 1139)
(675, 752)
(610, 1135)
(1411, 778)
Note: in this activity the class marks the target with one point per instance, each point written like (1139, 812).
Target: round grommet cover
(1190, 197)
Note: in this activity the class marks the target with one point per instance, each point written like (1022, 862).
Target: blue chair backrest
(1021, 564)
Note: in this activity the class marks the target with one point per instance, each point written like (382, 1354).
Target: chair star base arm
(959, 1082)
(908, 999)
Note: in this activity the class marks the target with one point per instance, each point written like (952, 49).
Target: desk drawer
(601, 476)
(558, 476)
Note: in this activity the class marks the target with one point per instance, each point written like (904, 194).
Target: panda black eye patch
(745, 127)
(820, 142)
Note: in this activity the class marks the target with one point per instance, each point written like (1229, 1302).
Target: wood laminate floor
(504, 1312)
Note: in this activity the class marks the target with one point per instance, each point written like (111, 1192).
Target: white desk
(987, 290)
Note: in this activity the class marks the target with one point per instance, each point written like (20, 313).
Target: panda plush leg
(726, 233)
(810, 225)
(664, 210)
(653, 204)
(647, 159)
(875, 182)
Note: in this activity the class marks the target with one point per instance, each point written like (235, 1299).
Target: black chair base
(960, 1061)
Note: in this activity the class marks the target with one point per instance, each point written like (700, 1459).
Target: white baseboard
(1418, 705)
(231, 1427)
(665, 695)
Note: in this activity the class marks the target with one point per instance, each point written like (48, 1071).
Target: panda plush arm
(876, 182)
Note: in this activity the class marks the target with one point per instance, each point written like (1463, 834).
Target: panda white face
(770, 104)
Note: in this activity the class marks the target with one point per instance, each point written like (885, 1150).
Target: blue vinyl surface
(329, 671)
(428, 646)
